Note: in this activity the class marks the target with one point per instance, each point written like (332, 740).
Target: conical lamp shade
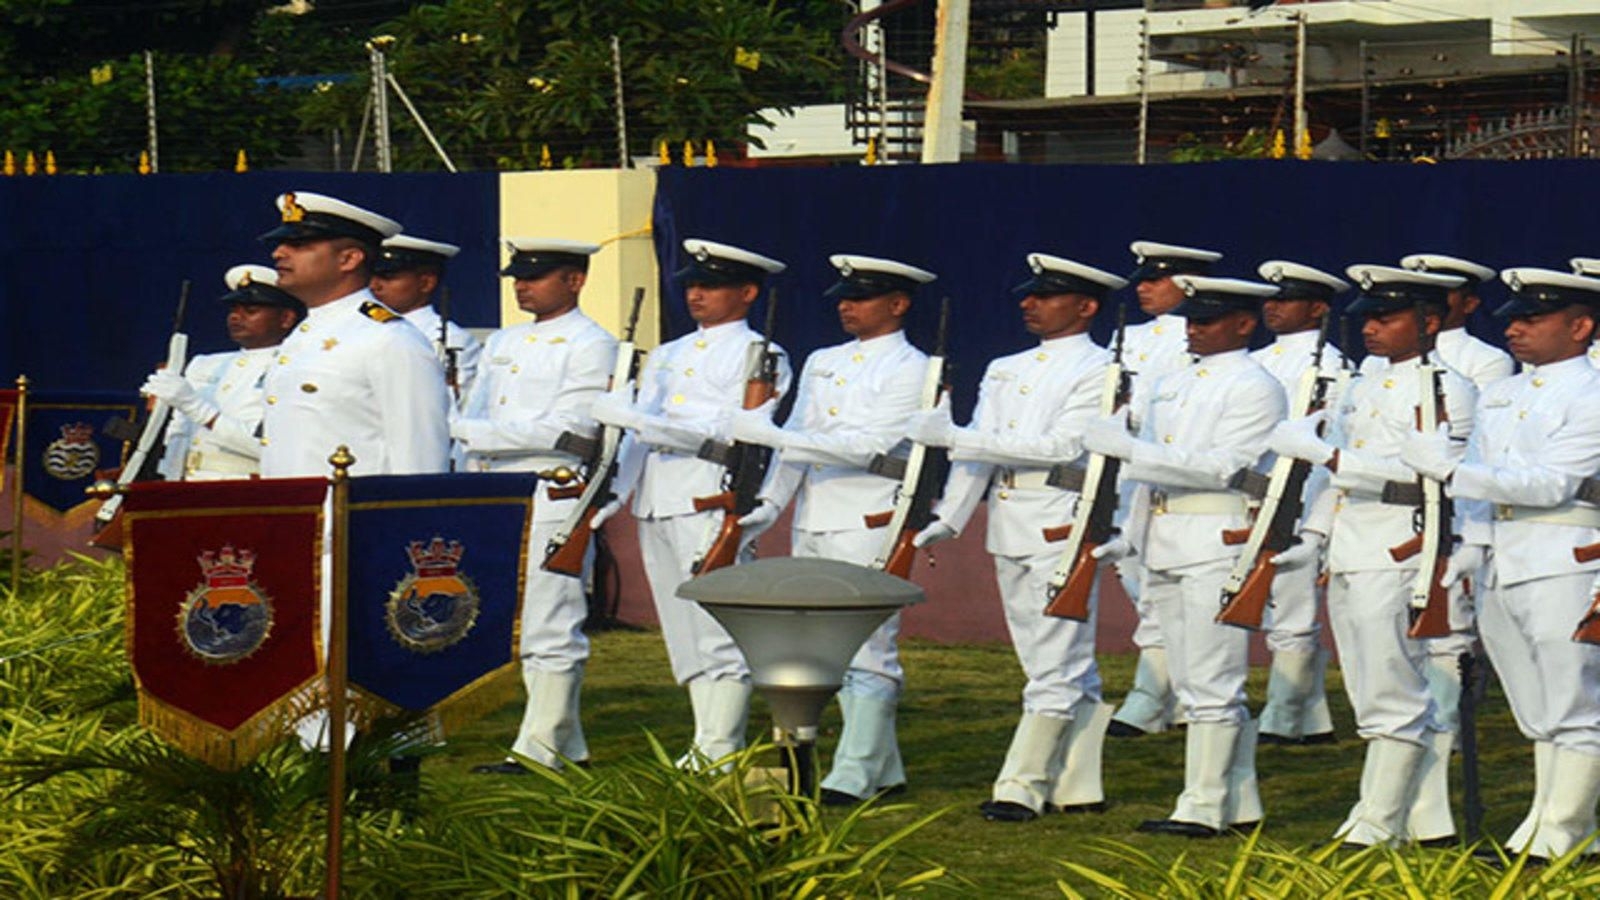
(799, 622)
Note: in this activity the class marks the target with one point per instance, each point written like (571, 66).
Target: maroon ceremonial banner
(223, 602)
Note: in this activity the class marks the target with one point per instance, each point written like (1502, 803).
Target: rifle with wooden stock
(1072, 583)
(147, 452)
(1248, 590)
(1430, 602)
(744, 465)
(565, 551)
(922, 473)
(452, 355)
(1588, 631)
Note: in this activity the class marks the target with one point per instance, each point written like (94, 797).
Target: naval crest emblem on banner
(435, 606)
(226, 617)
(74, 455)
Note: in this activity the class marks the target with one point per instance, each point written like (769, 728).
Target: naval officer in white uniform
(1537, 436)
(853, 403)
(689, 390)
(406, 277)
(537, 383)
(1201, 424)
(219, 398)
(354, 373)
(1032, 409)
(1296, 711)
(1404, 787)
(1150, 350)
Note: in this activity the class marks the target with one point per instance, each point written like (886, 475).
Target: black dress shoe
(1320, 738)
(1269, 739)
(1006, 811)
(831, 797)
(1177, 828)
(893, 790)
(503, 767)
(1076, 809)
(1121, 729)
(1244, 828)
(1435, 843)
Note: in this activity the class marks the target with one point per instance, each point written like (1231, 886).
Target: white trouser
(1383, 668)
(1147, 634)
(1149, 705)
(1056, 654)
(1551, 681)
(553, 610)
(1208, 661)
(1292, 618)
(697, 645)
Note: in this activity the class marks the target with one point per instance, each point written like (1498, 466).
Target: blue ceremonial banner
(436, 567)
(66, 445)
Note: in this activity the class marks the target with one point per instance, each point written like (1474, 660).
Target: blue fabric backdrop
(90, 266)
(973, 224)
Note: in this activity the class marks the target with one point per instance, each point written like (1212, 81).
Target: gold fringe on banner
(230, 751)
(482, 697)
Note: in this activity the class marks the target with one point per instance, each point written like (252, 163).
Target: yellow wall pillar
(609, 207)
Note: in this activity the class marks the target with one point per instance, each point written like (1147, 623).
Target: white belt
(1027, 479)
(1198, 503)
(1572, 514)
(223, 463)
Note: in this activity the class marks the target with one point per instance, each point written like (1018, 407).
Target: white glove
(468, 430)
(604, 513)
(1463, 563)
(755, 426)
(1298, 556)
(1108, 436)
(1115, 550)
(1430, 455)
(933, 534)
(759, 519)
(1301, 439)
(615, 408)
(933, 427)
(180, 395)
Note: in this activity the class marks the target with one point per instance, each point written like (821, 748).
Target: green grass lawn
(955, 723)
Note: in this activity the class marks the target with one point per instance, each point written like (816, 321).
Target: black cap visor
(393, 260)
(1206, 307)
(718, 272)
(1533, 301)
(1383, 299)
(860, 285)
(1157, 267)
(1050, 284)
(540, 263)
(258, 294)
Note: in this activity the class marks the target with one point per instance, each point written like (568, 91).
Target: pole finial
(341, 460)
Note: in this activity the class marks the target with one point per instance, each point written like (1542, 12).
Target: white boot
(867, 758)
(1208, 755)
(699, 701)
(550, 727)
(1316, 721)
(1568, 818)
(1443, 672)
(1078, 787)
(1430, 820)
(727, 713)
(1243, 807)
(1379, 817)
(1024, 779)
(1148, 706)
(1289, 685)
(1544, 754)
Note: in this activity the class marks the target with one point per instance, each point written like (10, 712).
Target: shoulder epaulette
(377, 312)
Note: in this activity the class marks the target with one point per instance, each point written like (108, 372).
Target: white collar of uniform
(1065, 343)
(1307, 338)
(1225, 358)
(1577, 366)
(346, 305)
(1410, 365)
(888, 341)
(725, 330)
(259, 351)
(424, 315)
(1453, 338)
(567, 321)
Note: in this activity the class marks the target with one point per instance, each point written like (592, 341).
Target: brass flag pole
(18, 456)
(338, 675)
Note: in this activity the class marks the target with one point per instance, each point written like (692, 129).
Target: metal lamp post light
(798, 623)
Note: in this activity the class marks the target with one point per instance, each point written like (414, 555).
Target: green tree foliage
(496, 80)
